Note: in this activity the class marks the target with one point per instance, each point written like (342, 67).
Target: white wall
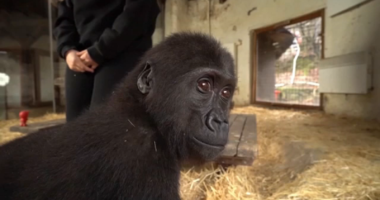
(176, 18)
(158, 34)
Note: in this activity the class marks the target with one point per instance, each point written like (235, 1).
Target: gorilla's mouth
(208, 144)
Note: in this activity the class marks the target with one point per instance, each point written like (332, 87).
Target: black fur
(132, 146)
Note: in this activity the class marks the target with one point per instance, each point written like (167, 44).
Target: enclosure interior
(28, 55)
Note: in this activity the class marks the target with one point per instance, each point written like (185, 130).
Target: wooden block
(231, 147)
(234, 136)
(33, 127)
(232, 119)
(247, 147)
(236, 128)
(241, 148)
(234, 161)
(226, 161)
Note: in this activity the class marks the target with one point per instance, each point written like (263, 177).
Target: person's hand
(86, 58)
(75, 63)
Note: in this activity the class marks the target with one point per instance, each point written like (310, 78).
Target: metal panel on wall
(347, 74)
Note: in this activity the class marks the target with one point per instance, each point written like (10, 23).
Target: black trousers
(85, 90)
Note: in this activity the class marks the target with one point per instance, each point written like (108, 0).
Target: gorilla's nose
(216, 123)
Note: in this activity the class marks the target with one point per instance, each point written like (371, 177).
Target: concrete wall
(42, 43)
(13, 68)
(7, 42)
(230, 22)
(354, 31)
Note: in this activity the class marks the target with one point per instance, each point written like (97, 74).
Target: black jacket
(106, 28)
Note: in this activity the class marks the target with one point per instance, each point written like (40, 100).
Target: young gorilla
(174, 106)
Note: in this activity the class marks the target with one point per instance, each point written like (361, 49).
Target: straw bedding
(302, 156)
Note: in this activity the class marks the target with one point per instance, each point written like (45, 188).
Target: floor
(301, 155)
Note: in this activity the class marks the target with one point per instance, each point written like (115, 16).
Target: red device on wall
(23, 117)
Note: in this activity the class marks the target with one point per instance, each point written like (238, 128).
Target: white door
(46, 79)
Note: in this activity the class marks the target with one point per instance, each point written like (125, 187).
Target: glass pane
(288, 60)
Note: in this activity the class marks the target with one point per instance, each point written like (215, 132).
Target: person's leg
(110, 74)
(78, 87)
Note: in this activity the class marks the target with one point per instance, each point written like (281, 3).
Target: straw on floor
(302, 156)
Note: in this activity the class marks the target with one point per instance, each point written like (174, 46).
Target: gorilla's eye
(204, 85)
(226, 93)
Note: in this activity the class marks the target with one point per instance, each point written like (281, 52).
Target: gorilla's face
(193, 109)
(211, 94)
(189, 98)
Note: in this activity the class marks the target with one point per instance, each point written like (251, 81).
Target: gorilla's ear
(144, 80)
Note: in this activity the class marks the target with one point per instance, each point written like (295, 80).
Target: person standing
(101, 41)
